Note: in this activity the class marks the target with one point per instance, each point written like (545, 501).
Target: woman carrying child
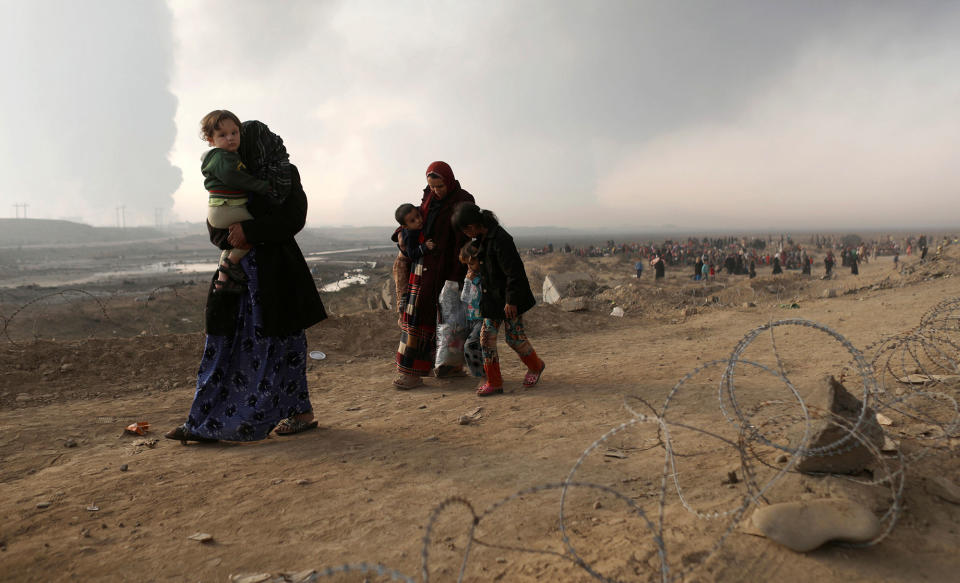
(252, 376)
(419, 284)
(505, 295)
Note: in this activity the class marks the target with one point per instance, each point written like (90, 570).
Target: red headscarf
(445, 172)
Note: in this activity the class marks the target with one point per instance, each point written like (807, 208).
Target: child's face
(226, 136)
(472, 231)
(473, 265)
(413, 220)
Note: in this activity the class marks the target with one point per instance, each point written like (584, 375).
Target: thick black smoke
(87, 116)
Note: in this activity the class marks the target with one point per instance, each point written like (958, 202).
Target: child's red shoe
(485, 390)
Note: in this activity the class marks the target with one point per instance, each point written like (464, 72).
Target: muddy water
(320, 262)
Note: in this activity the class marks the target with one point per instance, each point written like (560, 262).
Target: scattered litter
(93, 507)
(43, 504)
(201, 537)
(151, 443)
(617, 312)
(302, 482)
(317, 355)
(883, 419)
(470, 417)
(354, 408)
(138, 428)
(70, 443)
(615, 453)
(251, 578)
(123, 467)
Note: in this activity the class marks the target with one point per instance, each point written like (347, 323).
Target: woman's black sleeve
(280, 223)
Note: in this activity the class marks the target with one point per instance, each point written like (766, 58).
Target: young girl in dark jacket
(505, 295)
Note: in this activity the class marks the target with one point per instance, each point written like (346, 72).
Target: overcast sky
(702, 115)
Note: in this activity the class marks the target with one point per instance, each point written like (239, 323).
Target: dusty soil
(74, 373)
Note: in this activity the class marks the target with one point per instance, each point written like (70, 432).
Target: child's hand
(430, 244)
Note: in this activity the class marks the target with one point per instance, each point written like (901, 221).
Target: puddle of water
(348, 279)
(354, 250)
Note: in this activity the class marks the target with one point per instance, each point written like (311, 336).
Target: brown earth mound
(83, 501)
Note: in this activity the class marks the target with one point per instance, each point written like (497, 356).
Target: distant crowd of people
(741, 255)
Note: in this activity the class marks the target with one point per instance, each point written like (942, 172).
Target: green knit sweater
(225, 179)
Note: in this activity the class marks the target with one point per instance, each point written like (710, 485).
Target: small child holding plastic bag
(506, 295)
(470, 296)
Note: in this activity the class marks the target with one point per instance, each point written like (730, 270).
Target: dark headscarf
(265, 156)
(431, 205)
(445, 172)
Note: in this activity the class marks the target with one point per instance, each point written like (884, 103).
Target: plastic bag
(452, 330)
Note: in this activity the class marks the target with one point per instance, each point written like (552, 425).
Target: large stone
(832, 410)
(388, 294)
(557, 286)
(573, 304)
(805, 525)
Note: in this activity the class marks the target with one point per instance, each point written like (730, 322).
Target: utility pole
(18, 206)
(158, 217)
(121, 218)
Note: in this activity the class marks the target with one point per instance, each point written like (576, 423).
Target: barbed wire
(43, 306)
(897, 382)
(759, 432)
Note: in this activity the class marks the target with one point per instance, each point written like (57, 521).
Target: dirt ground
(82, 501)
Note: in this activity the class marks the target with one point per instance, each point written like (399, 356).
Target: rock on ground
(804, 526)
(832, 410)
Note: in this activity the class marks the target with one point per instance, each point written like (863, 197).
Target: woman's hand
(510, 311)
(237, 238)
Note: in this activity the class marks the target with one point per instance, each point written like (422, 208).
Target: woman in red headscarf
(418, 299)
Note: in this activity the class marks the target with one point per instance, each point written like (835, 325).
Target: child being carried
(411, 228)
(229, 189)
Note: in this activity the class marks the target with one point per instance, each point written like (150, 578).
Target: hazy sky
(580, 114)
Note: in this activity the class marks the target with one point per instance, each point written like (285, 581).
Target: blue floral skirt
(249, 382)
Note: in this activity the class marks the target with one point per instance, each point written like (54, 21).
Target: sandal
(406, 382)
(227, 286)
(183, 434)
(235, 282)
(292, 425)
(485, 390)
(532, 378)
(233, 271)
